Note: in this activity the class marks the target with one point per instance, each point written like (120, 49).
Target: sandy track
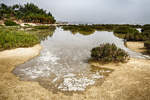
(129, 81)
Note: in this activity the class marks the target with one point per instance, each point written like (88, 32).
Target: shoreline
(128, 80)
(20, 55)
(21, 23)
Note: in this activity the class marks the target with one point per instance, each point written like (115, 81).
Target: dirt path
(129, 81)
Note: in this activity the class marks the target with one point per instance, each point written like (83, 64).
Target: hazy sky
(95, 11)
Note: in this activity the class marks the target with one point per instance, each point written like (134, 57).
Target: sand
(136, 46)
(129, 81)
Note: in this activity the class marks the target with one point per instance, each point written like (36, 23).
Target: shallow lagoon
(63, 62)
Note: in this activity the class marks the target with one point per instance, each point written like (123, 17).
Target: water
(63, 62)
(94, 11)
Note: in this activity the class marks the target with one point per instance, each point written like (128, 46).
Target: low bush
(106, 53)
(82, 29)
(28, 25)
(125, 30)
(145, 27)
(131, 34)
(10, 23)
(147, 44)
(135, 37)
(146, 31)
(43, 33)
(41, 27)
(14, 39)
(103, 27)
(119, 29)
(148, 51)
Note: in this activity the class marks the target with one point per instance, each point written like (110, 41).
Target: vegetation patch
(14, 39)
(129, 34)
(125, 30)
(135, 37)
(42, 27)
(89, 29)
(106, 53)
(82, 29)
(10, 23)
(146, 27)
(38, 18)
(42, 32)
(147, 46)
(28, 13)
(28, 25)
(146, 31)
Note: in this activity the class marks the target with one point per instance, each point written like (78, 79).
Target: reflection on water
(63, 65)
(42, 34)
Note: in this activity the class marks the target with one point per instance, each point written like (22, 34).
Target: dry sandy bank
(129, 81)
(136, 46)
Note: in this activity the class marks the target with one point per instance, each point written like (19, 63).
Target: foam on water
(74, 84)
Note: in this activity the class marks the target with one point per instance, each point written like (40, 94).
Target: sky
(94, 11)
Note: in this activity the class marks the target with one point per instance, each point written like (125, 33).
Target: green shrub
(42, 34)
(148, 51)
(10, 23)
(41, 27)
(103, 27)
(28, 12)
(134, 37)
(145, 27)
(121, 30)
(147, 44)
(130, 34)
(125, 30)
(14, 39)
(27, 24)
(109, 53)
(38, 18)
(82, 29)
(146, 34)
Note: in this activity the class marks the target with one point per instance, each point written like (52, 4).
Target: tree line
(27, 12)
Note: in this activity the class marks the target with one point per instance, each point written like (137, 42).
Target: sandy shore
(136, 46)
(129, 81)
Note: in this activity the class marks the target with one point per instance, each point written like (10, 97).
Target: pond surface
(63, 62)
